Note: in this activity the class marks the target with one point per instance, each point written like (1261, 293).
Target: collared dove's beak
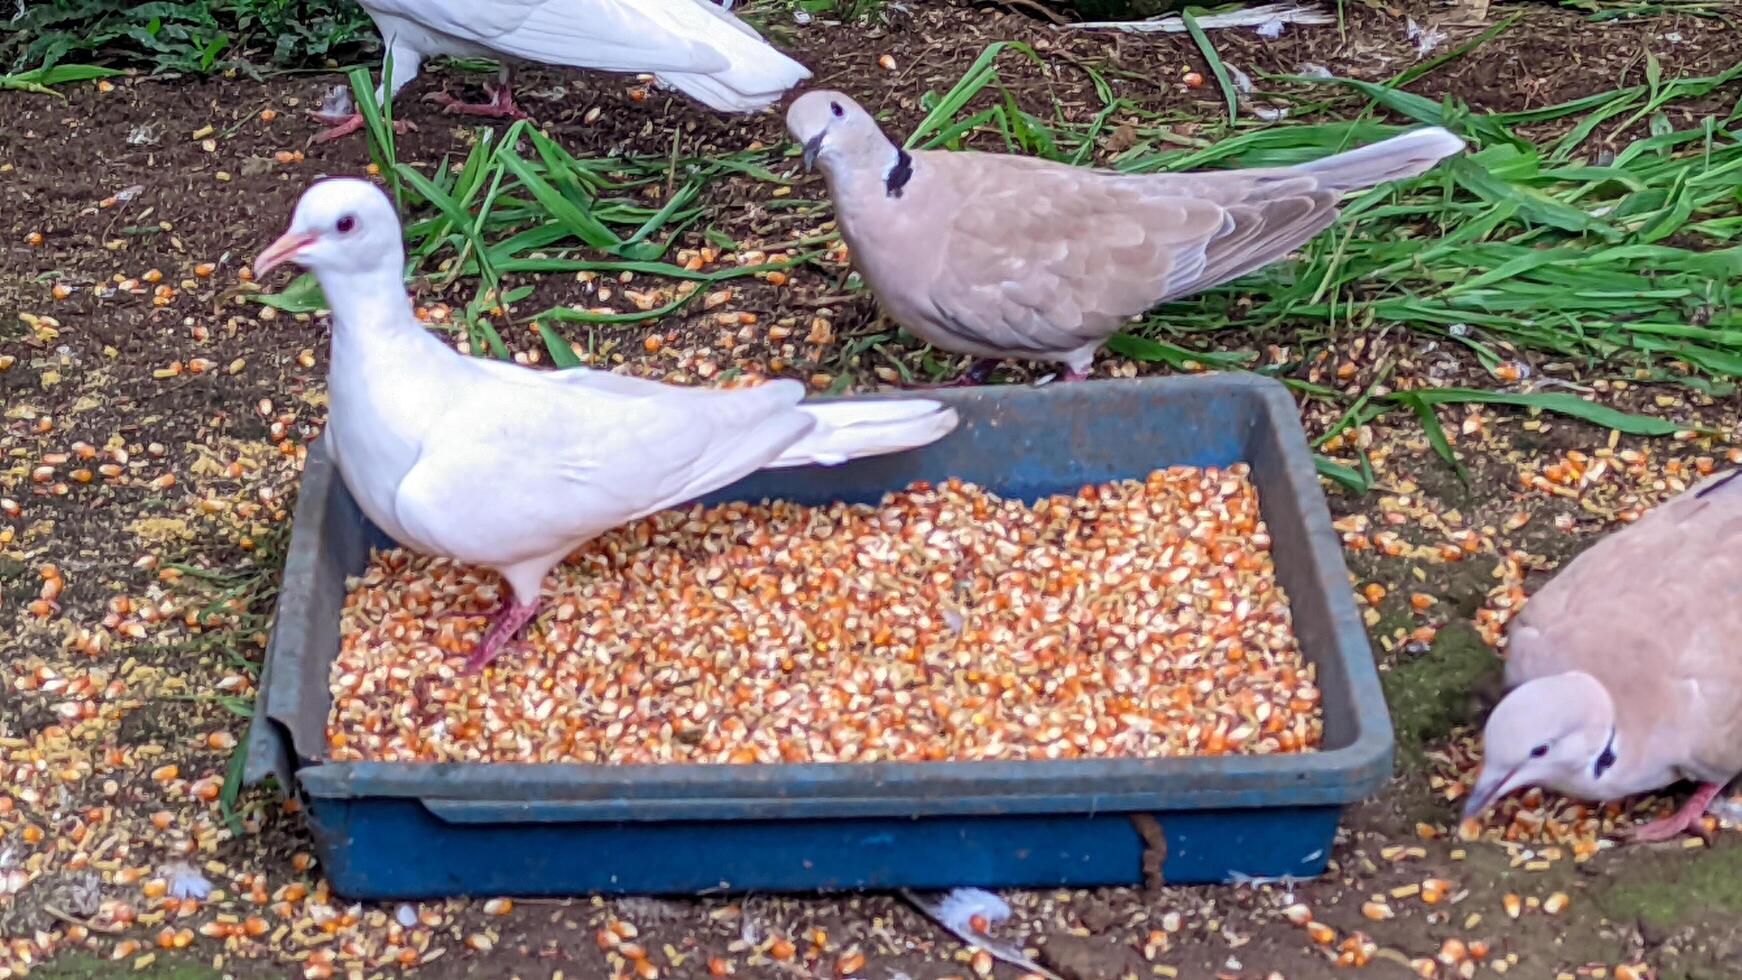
(812, 147)
(281, 251)
(1487, 791)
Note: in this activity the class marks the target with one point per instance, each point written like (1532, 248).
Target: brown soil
(206, 390)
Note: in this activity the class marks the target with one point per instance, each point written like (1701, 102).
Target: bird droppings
(1134, 619)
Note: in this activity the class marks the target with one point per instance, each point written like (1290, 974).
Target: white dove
(511, 468)
(692, 45)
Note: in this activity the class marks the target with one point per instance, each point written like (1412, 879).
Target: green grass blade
(1218, 69)
(1348, 478)
(1557, 402)
(1436, 435)
(561, 354)
(1147, 349)
(977, 77)
(303, 295)
(231, 791)
(1411, 74)
(42, 80)
(579, 223)
(1356, 414)
(378, 125)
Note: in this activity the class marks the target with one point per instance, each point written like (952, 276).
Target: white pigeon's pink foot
(501, 103)
(337, 126)
(341, 125)
(1073, 374)
(490, 613)
(1678, 822)
(503, 626)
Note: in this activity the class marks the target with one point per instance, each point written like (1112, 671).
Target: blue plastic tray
(399, 830)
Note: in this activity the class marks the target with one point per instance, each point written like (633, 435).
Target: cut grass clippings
(1626, 258)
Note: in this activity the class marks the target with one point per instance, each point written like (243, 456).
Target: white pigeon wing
(590, 379)
(522, 470)
(609, 35)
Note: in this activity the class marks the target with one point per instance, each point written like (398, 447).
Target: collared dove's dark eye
(835, 107)
(347, 224)
(1539, 751)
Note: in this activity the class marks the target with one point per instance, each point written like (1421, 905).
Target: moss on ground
(1430, 695)
(82, 966)
(1679, 889)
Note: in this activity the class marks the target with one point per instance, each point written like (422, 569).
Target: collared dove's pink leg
(341, 126)
(1074, 375)
(507, 622)
(346, 125)
(490, 613)
(1679, 821)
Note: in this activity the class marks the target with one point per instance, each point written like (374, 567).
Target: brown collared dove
(1624, 668)
(1002, 256)
(692, 45)
(512, 468)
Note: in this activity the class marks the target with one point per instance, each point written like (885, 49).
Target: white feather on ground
(956, 909)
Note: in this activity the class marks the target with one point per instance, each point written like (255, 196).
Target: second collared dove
(1003, 256)
(511, 468)
(692, 45)
(1624, 668)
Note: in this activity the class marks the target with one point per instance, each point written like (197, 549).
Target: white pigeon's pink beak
(281, 251)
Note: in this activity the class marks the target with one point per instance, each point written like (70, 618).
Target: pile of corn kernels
(1135, 619)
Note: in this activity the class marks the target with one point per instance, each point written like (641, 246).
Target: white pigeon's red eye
(346, 224)
(835, 107)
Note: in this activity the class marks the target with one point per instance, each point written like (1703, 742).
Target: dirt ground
(152, 429)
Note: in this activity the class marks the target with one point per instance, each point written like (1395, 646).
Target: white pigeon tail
(1607, 700)
(692, 45)
(850, 430)
(503, 466)
(1000, 256)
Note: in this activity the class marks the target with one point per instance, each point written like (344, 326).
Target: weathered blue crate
(397, 830)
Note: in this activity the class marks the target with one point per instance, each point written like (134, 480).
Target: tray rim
(473, 792)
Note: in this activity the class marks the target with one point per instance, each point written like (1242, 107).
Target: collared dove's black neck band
(899, 174)
(1718, 484)
(1605, 758)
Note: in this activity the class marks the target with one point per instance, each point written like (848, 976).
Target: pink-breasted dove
(1624, 671)
(1000, 256)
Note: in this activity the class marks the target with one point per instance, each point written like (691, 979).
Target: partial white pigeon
(1001, 256)
(692, 45)
(512, 468)
(1624, 669)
